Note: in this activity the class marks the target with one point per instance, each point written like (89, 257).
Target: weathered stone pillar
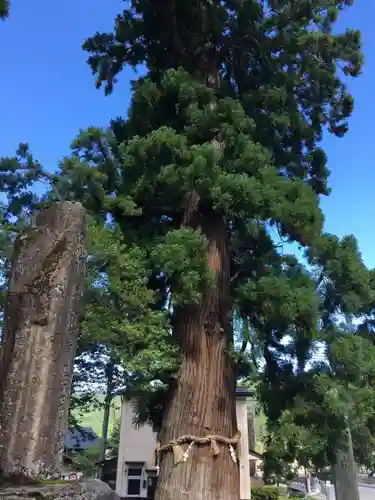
(345, 470)
(40, 333)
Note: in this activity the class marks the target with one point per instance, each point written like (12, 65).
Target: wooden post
(36, 359)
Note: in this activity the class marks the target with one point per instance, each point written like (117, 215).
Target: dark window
(134, 486)
(132, 471)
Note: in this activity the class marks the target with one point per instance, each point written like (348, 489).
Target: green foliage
(114, 439)
(181, 257)
(344, 283)
(120, 322)
(18, 177)
(85, 461)
(90, 413)
(120, 310)
(4, 9)
(141, 168)
(266, 493)
(308, 425)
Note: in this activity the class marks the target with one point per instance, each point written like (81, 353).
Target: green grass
(94, 418)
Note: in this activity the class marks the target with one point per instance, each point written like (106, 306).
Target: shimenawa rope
(180, 456)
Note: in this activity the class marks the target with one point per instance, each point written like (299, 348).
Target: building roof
(254, 455)
(243, 391)
(81, 438)
(107, 460)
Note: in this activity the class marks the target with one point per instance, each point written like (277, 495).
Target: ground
(367, 493)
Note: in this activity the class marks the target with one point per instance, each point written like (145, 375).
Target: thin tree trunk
(107, 409)
(203, 401)
(308, 481)
(345, 472)
(36, 359)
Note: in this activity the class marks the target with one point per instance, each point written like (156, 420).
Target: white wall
(136, 445)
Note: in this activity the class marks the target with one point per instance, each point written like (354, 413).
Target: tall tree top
(4, 9)
(281, 59)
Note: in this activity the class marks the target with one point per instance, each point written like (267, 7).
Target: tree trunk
(308, 482)
(345, 472)
(203, 400)
(107, 409)
(41, 315)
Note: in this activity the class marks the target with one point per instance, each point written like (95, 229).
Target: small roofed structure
(81, 438)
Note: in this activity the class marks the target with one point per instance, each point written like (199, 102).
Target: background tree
(337, 392)
(311, 430)
(114, 440)
(85, 461)
(346, 290)
(4, 9)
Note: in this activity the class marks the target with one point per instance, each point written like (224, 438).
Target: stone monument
(39, 340)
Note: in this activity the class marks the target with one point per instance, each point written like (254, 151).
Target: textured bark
(203, 400)
(41, 315)
(345, 472)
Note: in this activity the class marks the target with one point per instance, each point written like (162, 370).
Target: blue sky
(48, 94)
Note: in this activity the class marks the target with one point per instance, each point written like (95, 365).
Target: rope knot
(181, 456)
